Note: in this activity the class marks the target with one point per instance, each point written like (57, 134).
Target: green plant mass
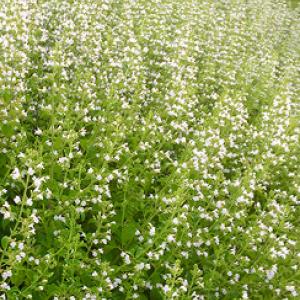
(149, 149)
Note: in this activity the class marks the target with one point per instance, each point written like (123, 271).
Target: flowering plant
(149, 149)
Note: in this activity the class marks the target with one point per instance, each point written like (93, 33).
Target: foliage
(149, 149)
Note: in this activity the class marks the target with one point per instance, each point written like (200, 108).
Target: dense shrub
(149, 149)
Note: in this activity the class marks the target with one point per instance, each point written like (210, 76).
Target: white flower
(6, 274)
(6, 214)
(40, 166)
(94, 274)
(170, 238)
(271, 273)
(37, 182)
(16, 174)
(165, 288)
(38, 131)
(175, 221)
(245, 295)
(292, 290)
(126, 258)
(63, 160)
(29, 202)
(140, 266)
(21, 155)
(152, 231)
(30, 171)
(5, 286)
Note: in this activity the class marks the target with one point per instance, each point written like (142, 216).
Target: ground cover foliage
(149, 149)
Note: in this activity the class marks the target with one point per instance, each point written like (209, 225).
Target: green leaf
(2, 159)
(128, 232)
(58, 143)
(18, 277)
(82, 216)
(7, 130)
(4, 242)
(155, 277)
(86, 143)
(54, 185)
(143, 297)
(52, 290)
(155, 294)
(7, 95)
(58, 172)
(3, 162)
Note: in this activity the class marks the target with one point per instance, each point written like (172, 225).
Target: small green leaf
(143, 297)
(2, 159)
(155, 294)
(3, 162)
(4, 242)
(7, 130)
(128, 232)
(7, 95)
(58, 143)
(82, 216)
(18, 277)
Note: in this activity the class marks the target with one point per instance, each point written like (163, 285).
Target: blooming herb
(149, 149)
